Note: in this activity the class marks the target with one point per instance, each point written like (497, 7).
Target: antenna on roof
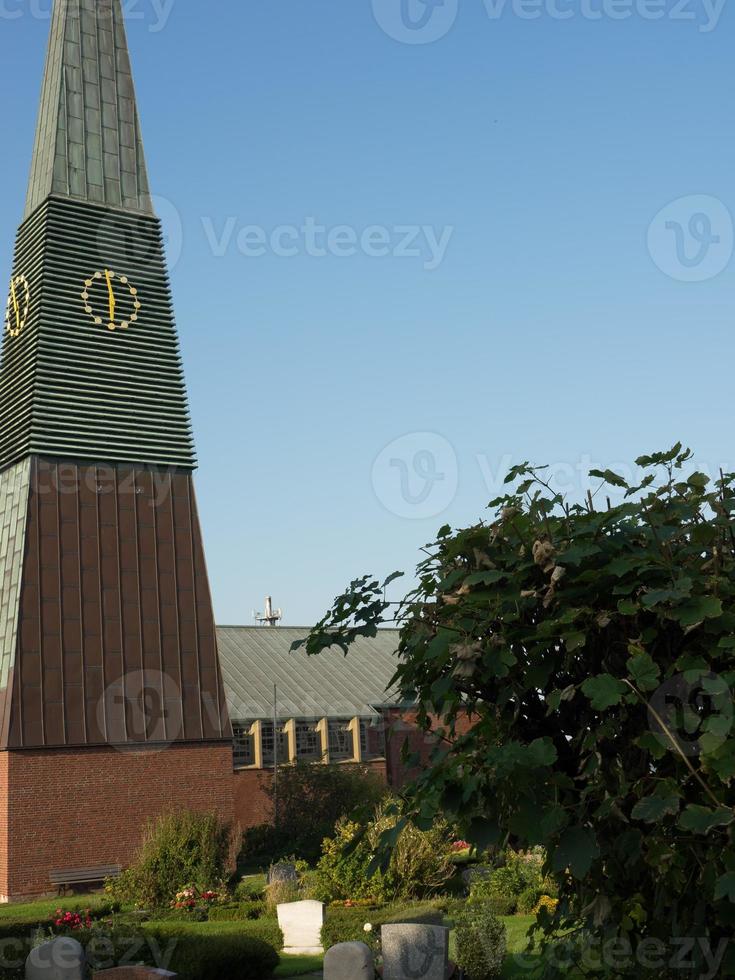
(271, 616)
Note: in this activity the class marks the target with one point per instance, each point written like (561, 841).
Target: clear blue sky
(546, 331)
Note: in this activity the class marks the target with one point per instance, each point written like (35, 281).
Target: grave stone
(471, 875)
(60, 959)
(415, 952)
(134, 973)
(301, 924)
(282, 872)
(349, 961)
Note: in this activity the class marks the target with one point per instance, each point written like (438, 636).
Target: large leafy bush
(419, 862)
(310, 798)
(515, 885)
(179, 850)
(481, 942)
(593, 648)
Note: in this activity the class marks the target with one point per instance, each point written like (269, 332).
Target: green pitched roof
(331, 685)
(88, 141)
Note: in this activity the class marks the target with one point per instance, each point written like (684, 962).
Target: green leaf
(577, 553)
(542, 752)
(725, 887)
(604, 691)
(643, 671)
(609, 477)
(626, 607)
(577, 850)
(483, 833)
(490, 577)
(651, 809)
(702, 819)
(698, 609)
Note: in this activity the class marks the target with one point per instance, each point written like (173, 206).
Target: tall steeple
(91, 366)
(107, 633)
(88, 141)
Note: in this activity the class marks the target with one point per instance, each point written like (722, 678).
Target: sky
(413, 243)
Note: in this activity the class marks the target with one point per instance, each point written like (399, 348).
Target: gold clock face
(19, 302)
(111, 300)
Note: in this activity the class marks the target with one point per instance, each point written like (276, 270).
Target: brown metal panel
(116, 640)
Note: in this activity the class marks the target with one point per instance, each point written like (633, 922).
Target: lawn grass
(45, 908)
(290, 966)
(297, 966)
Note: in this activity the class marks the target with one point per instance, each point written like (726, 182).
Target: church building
(113, 698)
(108, 634)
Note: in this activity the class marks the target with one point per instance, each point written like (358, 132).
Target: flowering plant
(72, 921)
(461, 845)
(191, 898)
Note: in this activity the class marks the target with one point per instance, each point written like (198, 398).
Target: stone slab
(349, 961)
(60, 959)
(301, 924)
(415, 952)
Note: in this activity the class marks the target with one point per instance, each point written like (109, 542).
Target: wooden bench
(82, 876)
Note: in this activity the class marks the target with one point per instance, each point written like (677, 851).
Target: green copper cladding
(88, 142)
(91, 372)
(69, 386)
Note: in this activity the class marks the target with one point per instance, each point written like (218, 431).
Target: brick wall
(3, 823)
(253, 803)
(401, 728)
(87, 807)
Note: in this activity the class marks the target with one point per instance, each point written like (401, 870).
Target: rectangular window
(308, 742)
(341, 742)
(267, 744)
(372, 742)
(243, 746)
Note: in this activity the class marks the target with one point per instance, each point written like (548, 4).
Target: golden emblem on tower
(104, 299)
(19, 302)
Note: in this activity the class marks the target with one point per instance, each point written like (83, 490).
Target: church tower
(111, 700)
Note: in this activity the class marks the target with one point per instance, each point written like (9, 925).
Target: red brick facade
(88, 807)
(401, 728)
(253, 804)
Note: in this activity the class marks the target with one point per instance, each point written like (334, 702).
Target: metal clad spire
(88, 140)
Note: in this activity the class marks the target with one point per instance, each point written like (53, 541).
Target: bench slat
(74, 875)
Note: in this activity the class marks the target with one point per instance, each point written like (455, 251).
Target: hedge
(215, 955)
(345, 925)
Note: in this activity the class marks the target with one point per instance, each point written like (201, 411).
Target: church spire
(88, 140)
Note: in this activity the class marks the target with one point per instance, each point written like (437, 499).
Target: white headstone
(415, 952)
(61, 959)
(301, 924)
(349, 961)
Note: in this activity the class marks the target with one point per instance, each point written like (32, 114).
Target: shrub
(515, 886)
(546, 902)
(252, 888)
(420, 861)
(237, 912)
(481, 942)
(312, 797)
(279, 892)
(593, 648)
(179, 850)
(216, 955)
(344, 925)
(266, 929)
(527, 900)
